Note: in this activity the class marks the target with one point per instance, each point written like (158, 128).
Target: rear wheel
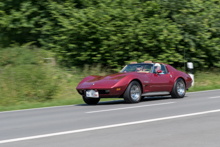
(179, 89)
(91, 101)
(133, 93)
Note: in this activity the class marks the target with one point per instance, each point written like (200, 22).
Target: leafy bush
(113, 33)
(199, 23)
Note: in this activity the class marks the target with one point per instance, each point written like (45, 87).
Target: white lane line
(108, 126)
(214, 97)
(130, 107)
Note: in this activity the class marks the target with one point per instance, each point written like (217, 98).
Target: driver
(157, 67)
(138, 69)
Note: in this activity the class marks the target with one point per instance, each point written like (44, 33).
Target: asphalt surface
(155, 122)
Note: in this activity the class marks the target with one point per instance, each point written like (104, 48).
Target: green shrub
(114, 32)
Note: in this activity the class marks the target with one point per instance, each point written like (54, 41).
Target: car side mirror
(159, 71)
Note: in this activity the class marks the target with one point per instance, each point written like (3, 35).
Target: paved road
(155, 122)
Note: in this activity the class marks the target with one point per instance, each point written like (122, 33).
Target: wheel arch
(180, 78)
(139, 83)
(129, 83)
(174, 92)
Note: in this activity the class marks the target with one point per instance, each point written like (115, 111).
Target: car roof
(146, 63)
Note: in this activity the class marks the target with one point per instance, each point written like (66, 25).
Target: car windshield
(137, 68)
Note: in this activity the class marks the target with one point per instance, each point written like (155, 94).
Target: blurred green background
(99, 37)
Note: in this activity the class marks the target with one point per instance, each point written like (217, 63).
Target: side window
(164, 69)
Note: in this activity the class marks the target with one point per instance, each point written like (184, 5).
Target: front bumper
(105, 93)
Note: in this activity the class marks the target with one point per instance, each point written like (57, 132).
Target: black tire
(179, 89)
(91, 101)
(134, 86)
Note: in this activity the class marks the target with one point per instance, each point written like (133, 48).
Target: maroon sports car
(134, 82)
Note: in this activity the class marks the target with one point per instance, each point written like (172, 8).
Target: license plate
(92, 93)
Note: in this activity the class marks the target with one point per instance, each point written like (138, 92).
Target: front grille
(103, 91)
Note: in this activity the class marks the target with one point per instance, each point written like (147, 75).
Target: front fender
(124, 82)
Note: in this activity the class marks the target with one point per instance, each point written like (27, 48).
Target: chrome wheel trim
(135, 92)
(180, 88)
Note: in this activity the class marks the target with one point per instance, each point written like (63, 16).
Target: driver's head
(138, 68)
(157, 67)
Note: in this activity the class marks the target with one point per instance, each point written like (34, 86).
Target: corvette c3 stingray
(134, 82)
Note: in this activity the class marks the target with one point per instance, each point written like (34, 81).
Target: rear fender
(178, 78)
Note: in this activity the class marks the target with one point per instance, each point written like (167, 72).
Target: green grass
(26, 81)
(206, 81)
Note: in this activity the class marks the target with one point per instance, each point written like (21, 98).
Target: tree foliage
(114, 32)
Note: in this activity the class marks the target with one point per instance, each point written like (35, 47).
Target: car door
(162, 81)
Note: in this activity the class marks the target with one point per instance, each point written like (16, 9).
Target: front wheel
(133, 93)
(91, 101)
(179, 89)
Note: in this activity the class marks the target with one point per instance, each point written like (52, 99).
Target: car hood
(112, 77)
(102, 82)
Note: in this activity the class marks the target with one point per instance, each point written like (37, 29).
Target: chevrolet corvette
(134, 82)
